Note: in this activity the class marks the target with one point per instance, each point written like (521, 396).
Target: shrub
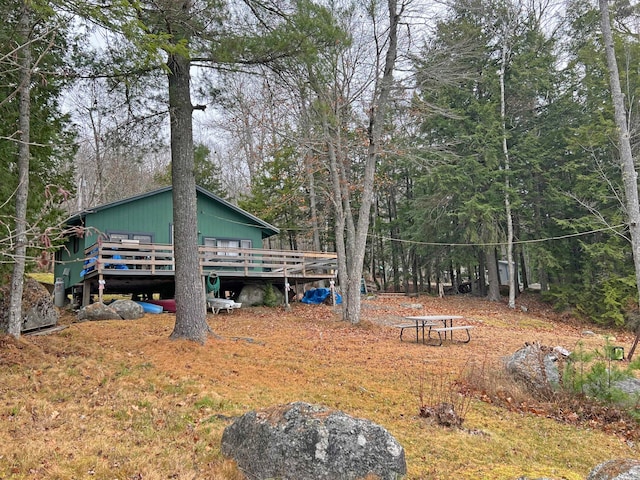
(270, 299)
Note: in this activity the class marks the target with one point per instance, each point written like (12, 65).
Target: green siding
(219, 221)
(153, 214)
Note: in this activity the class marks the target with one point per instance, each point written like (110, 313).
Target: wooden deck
(150, 268)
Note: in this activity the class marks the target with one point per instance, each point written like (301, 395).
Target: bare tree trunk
(629, 174)
(191, 319)
(507, 180)
(351, 307)
(313, 210)
(493, 294)
(22, 192)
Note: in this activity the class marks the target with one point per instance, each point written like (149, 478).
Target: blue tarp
(316, 296)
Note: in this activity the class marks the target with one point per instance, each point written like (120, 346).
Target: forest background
(499, 124)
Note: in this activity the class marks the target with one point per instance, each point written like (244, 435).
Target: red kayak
(168, 305)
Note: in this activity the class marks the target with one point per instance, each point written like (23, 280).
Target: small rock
(621, 469)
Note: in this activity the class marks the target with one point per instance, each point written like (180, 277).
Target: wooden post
(332, 285)
(286, 291)
(101, 283)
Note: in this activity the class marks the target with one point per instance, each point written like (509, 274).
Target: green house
(148, 219)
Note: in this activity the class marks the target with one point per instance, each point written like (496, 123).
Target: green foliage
(51, 133)
(270, 299)
(595, 374)
(278, 195)
(207, 173)
(560, 296)
(606, 302)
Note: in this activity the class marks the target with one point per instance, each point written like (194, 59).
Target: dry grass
(119, 400)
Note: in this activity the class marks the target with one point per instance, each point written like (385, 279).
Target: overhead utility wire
(446, 244)
(495, 244)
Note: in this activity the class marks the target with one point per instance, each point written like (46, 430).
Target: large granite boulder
(621, 469)
(98, 311)
(536, 366)
(253, 295)
(127, 309)
(38, 310)
(300, 441)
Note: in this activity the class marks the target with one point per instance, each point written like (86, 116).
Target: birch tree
(505, 32)
(629, 174)
(24, 98)
(33, 129)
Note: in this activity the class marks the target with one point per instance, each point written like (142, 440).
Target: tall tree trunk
(629, 174)
(493, 295)
(22, 192)
(373, 253)
(313, 206)
(507, 180)
(351, 307)
(396, 247)
(310, 167)
(417, 275)
(351, 237)
(482, 280)
(191, 318)
(337, 199)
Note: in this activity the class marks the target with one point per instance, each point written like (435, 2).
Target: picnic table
(431, 324)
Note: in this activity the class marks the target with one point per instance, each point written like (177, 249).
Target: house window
(116, 237)
(227, 242)
(143, 237)
(119, 236)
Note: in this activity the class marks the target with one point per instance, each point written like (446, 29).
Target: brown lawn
(119, 400)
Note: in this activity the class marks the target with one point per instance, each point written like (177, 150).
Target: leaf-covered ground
(119, 400)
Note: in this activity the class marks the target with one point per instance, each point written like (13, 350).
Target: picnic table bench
(444, 330)
(417, 326)
(430, 323)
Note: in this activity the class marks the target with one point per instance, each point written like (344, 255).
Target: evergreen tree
(37, 141)
(466, 181)
(207, 173)
(174, 37)
(278, 196)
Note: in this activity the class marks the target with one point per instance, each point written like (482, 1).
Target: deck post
(287, 287)
(101, 283)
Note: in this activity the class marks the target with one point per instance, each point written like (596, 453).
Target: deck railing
(154, 258)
